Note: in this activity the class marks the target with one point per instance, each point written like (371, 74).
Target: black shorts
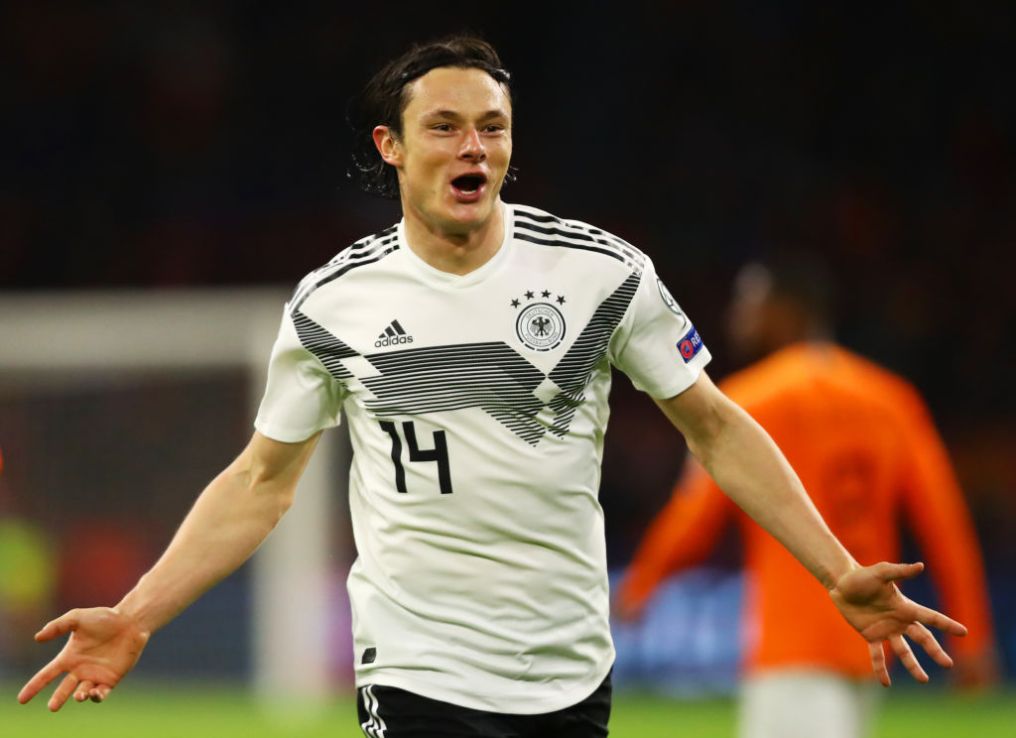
(389, 712)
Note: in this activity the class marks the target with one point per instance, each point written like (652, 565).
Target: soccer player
(865, 448)
(469, 348)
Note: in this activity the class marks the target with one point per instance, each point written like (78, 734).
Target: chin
(469, 217)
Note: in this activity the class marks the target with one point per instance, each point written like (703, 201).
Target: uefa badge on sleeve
(690, 345)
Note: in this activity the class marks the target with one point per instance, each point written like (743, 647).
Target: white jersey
(477, 406)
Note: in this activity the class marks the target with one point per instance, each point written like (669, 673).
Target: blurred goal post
(61, 336)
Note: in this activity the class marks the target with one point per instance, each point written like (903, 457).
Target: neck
(451, 251)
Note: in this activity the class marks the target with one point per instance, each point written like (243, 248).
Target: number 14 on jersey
(439, 454)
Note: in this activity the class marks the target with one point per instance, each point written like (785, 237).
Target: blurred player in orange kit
(863, 443)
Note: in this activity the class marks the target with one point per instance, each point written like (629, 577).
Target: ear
(387, 145)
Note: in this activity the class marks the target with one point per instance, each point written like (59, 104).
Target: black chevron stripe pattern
(492, 376)
(536, 238)
(365, 251)
(542, 228)
(573, 371)
(329, 349)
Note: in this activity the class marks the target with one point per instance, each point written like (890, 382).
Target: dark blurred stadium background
(167, 145)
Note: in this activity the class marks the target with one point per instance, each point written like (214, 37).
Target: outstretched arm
(752, 471)
(229, 520)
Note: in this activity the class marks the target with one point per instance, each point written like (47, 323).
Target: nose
(472, 146)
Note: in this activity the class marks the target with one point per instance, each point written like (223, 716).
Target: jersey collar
(447, 279)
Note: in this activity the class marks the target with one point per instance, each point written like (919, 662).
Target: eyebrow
(454, 115)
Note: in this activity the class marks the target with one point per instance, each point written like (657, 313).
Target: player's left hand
(871, 602)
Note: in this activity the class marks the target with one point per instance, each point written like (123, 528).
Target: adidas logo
(392, 335)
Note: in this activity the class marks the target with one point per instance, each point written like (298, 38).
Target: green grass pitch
(144, 710)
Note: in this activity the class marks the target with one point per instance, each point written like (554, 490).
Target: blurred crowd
(165, 144)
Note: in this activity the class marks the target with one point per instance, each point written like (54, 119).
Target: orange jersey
(864, 445)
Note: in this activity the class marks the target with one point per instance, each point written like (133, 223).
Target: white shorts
(806, 703)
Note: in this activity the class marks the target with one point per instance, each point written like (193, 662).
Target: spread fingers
(62, 692)
(907, 658)
(921, 635)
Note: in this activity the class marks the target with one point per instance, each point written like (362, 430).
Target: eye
(442, 127)
(494, 128)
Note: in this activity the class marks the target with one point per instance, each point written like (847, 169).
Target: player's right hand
(104, 645)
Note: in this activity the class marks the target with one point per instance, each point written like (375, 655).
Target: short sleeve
(656, 344)
(301, 397)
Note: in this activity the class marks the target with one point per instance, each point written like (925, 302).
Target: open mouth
(468, 186)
